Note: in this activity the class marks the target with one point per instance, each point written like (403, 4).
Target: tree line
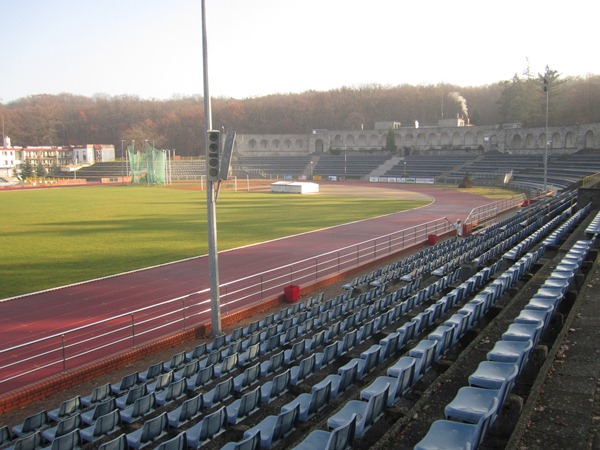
(178, 123)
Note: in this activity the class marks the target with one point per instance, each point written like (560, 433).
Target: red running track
(48, 313)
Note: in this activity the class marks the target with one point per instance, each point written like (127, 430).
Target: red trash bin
(292, 293)
(432, 239)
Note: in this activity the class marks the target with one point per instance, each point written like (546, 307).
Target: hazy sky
(153, 48)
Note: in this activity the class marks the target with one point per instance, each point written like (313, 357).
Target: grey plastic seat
(247, 378)
(345, 377)
(118, 443)
(277, 386)
(152, 372)
(303, 370)
(131, 396)
(202, 378)
(177, 443)
(141, 407)
(126, 383)
(222, 391)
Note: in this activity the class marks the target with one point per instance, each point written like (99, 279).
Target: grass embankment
(53, 237)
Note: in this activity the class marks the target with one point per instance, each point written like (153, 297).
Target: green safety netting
(146, 166)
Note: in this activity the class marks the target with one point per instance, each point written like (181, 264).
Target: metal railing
(29, 362)
(486, 212)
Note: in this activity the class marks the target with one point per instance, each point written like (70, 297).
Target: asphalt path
(51, 312)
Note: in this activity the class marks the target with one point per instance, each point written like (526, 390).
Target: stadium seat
(31, 424)
(277, 386)
(66, 409)
(150, 431)
(68, 441)
(210, 426)
(336, 439)
(495, 375)
(104, 426)
(303, 370)
(274, 428)
(244, 406)
(101, 409)
(176, 443)
(118, 443)
(252, 442)
(367, 412)
(126, 383)
(472, 404)
(99, 394)
(187, 411)
(247, 378)
(310, 403)
(222, 391)
(63, 427)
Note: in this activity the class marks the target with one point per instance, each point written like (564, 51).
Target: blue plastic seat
(367, 412)
(277, 386)
(152, 372)
(126, 383)
(198, 352)
(173, 392)
(273, 364)
(495, 375)
(188, 410)
(327, 356)
(368, 360)
(310, 403)
(339, 438)
(471, 404)
(249, 355)
(243, 407)
(247, 378)
(101, 409)
(131, 396)
(150, 431)
(346, 376)
(229, 364)
(31, 424)
(209, 427)
(118, 443)
(188, 371)
(221, 392)
(252, 442)
(66, 409)
(99, 394)
(179, 442)
(202, 378)
(292, 354)
(303, 370)
(70, 440)
(63, 427)
(516, 352)
(523, 332)
(274, 428)
(425, 351)
(104, 426)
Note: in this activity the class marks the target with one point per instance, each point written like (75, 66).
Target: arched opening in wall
(433, 139)
(299, 144)
(350, 142)
(287, 144)
(362, 140)
(570, 140)
(542, 140)
(264, 144)
(421, 139)
(445, 139)
(375, 141)
(275, 143)
(589, 139)
(252, 144)
(481, 138)
(456, 139)
(530, 141)
(555, 141)
(319, 146)
(469, 138)
(516, 141)
(338, 141)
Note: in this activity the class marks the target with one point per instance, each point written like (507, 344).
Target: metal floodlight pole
(546, 147)
(215, 306)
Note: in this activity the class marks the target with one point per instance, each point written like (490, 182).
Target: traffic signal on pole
(212, 155)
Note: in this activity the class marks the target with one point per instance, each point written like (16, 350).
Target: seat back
(33, 440)
(277, 361)
(119, 443)
(107, 423)
(307, 367)
(348, 376)
(252, 352)
(99, 394)
(67, 425)
(254, 338)
(229, 363)
(213, 424)
(175, 390)
(135, 393)
(104, 408)
(236, 334)
(144, 405)
(177, 361)
(222, 390)
(199, 351)
(342, 437)
(177, 443)
(191, 407)
(281, 384)
(129, 381)
(35, 422)
(204, 376)
(154, 428)
(286, 423)
(298, 350)
(189, 370)
(154, 371)
(376, 406)
(272, 343)
(219, 342)
(319, 398)
(329, 354)
(249, 402)
(163, 381)
(252, 442)
(251, 374)
(67, 441)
